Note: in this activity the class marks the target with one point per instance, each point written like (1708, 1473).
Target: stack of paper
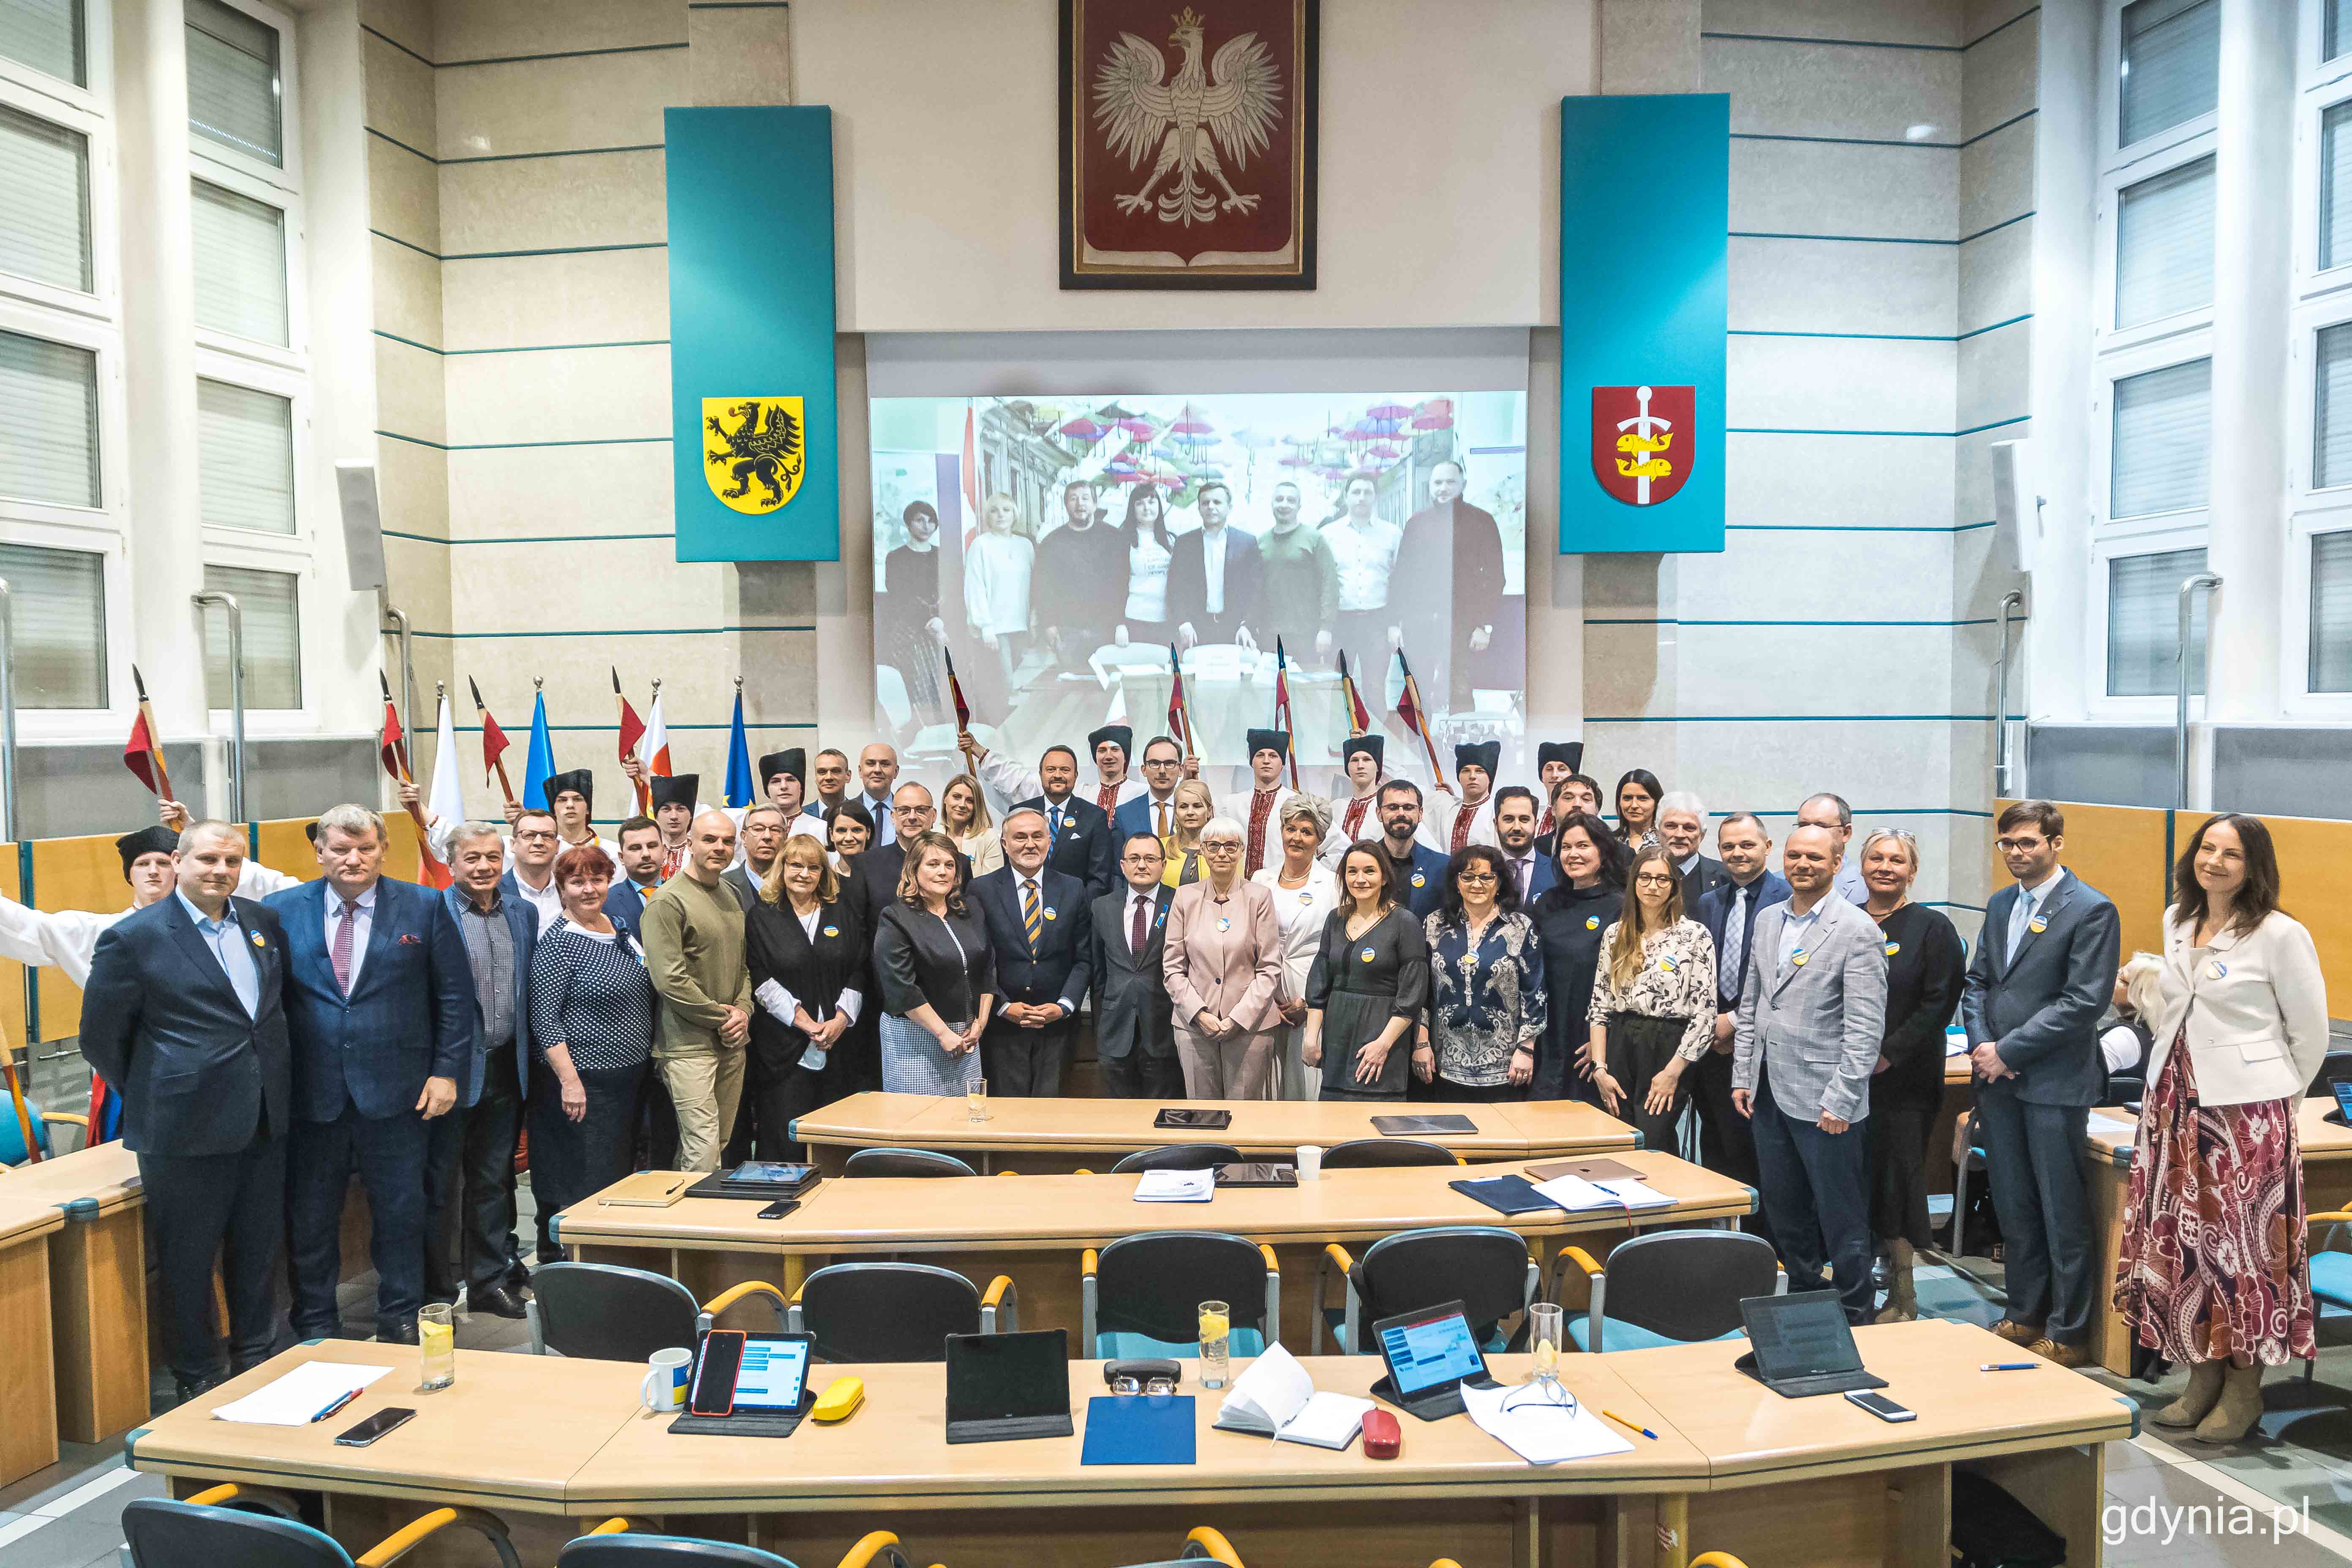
(1538, 1432)
(1573, 1193)
(1276, 1398)
(1175, 1186)
(1956, 1042)
(301, 1396)
(2113, 1127)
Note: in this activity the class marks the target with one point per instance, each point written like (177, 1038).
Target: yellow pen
(1634, 1425)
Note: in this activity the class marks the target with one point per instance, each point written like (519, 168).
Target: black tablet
(1005, 1386)
(1201, 1120)
(1430, 1354)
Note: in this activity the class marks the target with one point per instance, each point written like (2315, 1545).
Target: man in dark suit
(380, 1009)
(469, 1153)
(2045, 968)
(1726, 1141)
(185, 1016)
(1037, 925)
(1445, 591)
(1082, 843)
(1416, 872)
(1681, 831)
(639, 845)
(1515, 833)
(1135, 1031)
(1163, 770)
(873, 880)
(1212, 576)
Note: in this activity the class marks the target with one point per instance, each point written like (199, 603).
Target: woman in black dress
(1368, 986)
(1570, 916)
(937, 974)
(1926, 965)
(807, 956)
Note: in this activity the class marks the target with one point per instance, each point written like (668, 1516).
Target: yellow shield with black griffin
(753, 452)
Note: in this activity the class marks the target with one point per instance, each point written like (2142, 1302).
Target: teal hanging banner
(1644, 221)
(753, 420)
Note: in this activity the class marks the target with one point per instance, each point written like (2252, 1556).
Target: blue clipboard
(1140, 1429)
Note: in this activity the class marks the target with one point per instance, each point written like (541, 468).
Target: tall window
(246, 458)
(2336, 28)
(2331, 612)
(2164, 244)
(2170, 65)
(2144, 624)
(236, 98)
(2331, 408)
(270, 603)
(48, 422)
(240, 256)
(57, 599)
(44, 200)
(46, 35)
(2162, 456)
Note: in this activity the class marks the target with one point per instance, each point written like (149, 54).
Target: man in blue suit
(380, 1007)
(1726, 1140)
(1153, 811)
(1080, 829)
(640, 843)
(1040, 926)
(469, 1158)
(1515, 833)
(1416, 872)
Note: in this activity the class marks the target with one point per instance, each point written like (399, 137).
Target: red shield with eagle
(1641, 439)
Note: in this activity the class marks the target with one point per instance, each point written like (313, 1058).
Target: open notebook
(1276, 1398)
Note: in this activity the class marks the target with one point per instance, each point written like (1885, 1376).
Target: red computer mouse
(1382, 1437)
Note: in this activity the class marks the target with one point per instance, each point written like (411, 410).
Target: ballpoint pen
(1634, 1426)
(2009, 1366)
(338, 1404)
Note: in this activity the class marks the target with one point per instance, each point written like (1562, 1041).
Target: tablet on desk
(1802, 1345)
(2342, 1114)
(774, 1372)
(1007, 1387)
(1174, 1120)
(1430, 1354)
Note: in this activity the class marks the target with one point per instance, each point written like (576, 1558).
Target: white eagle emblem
(1232, 105)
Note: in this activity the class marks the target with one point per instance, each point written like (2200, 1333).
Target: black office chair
(905, 1162)
(1140, 1296)
(1486, 1268)
(1180, 1157)
(895, 1311)
(252, 1528)
(601, 1312)
(1363, 1153)
(614, 1544)
(1201, 1545)
(1670, 1288)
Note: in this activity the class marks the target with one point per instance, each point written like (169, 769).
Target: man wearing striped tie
(1039, 927)
(1152, 809)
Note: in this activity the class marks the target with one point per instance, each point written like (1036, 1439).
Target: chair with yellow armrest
(905, 1162)
(1363, 1153)
(895, 1311)
(1486, 1268)
(614, 1544)
(1670, 1288)
(1140, 1296)
(1201, 1545)
(1180, 1157)
(2331, 1270)
(12, 1132)
(600, 1312)
(252, 1528)
(1717, 1560)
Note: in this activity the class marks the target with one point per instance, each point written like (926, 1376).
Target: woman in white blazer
(2215, 1269)
(1305, 894)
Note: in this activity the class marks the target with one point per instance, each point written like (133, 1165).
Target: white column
(2251, 283)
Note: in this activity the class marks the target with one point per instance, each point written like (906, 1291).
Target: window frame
(2142, 710)
(103, 302)
(233, 548)
(2107, 229)
(2113, 152)
(295, 356)
(2188, 528)
(214, 364)
(287, 177)
(98, 44)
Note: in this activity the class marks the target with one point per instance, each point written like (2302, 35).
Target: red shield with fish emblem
(1641, 439)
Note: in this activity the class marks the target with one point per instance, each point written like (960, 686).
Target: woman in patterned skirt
(1486, 986)
(2215, 1269)
(1653, 1008)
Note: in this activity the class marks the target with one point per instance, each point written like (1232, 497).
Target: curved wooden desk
(1061, 1135)
(28, 1218)
(1033, 1227)
(97, 1281)
(552, 1445)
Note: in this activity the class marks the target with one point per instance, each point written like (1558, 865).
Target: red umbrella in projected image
(1298, 461)
(1084, 428)
(1437, 414)
(1389, 411)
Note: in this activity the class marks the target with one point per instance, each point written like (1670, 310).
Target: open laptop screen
(1803, 1335)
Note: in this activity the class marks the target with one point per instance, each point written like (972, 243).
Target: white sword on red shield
(1641, 425)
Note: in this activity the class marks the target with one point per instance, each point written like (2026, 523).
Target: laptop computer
(1802, 1345)
(1003, 1387)
(1430, 1354)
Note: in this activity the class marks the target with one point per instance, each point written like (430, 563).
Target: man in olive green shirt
(1299, 580)
(693, 933)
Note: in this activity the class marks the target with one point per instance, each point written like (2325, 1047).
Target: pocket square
(407, 940)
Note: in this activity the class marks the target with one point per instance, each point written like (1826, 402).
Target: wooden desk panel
(28, 1437)
(98, 1288)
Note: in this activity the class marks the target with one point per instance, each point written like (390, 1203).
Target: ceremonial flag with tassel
(494, 744)
(1359, 718)
(632, 730)
(962, 709)
(539, 762)
(739, 784)
(447, 798)
(1180, 712)
(393, 747)
(1282, 708)
(144, 752)
(1408, 708)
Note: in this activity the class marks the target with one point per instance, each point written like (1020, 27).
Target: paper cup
(1310, 1162)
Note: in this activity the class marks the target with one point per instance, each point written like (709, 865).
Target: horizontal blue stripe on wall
(1678, 621)
(611, 632)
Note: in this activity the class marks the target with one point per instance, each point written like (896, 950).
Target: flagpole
(162, 774)
(500, 765)
(645, 796)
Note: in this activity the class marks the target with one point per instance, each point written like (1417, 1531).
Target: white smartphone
(1878, 1404)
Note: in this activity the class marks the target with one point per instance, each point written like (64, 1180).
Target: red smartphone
(1382, 1437)
(713, 1393)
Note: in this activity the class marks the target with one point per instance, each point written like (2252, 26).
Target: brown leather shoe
(2062, 1355)
(2016, 1333)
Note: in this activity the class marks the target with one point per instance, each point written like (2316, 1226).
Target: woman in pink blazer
(1222, 958)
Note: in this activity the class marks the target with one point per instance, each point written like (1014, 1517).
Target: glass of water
(975, 1099)
(436, 1340)
(1544, 1325)
(1216, 1341)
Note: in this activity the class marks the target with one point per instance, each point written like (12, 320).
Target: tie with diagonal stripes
(1032, 920)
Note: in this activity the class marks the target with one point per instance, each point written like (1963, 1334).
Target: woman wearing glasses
(1926, 964)
(1653, 1010)
(1370, 979)
(1305, 894)
(1486, 987)
(1222, 958)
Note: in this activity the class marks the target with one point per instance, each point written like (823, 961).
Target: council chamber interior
(696, 694)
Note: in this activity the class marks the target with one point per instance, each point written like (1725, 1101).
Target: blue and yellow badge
(1049, 912)
(1419, 880)
(1666, 963)
(1798, 958)
(1366, 955)
(257, 942)
(752, 455)
(1224, 923)
(2037, 925)
(832, 931)
(1892, 948)
(1306, 895)
(1593, 923)
(2214, 971)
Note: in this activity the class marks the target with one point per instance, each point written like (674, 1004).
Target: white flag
(447, 798)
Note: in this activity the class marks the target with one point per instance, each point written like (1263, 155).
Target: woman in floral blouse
(1653, 1010)
(1486, 987)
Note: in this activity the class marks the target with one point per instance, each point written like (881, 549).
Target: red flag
(1179, 715)
(494, 742)
(144, 752)
(971, 481)
(632, 730)
(1282, 719)
(1359, 718)
(1408, 707)
(955, 695)
(393, 747)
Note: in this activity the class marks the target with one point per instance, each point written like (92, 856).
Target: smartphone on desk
(778, 1209)
(375, 1427)
(1878, 1404)
(713, 1393)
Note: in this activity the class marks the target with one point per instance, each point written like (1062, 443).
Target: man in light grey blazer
(2044, 967)
(1811, 1013)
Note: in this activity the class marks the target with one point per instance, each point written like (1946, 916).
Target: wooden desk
(98, 1288)
(2106, 1176)
(1032, 1228)
(29, 1215)
(1061, 1135)
(551, 1445)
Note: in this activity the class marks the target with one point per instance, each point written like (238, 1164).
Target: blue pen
(338, 1404)
(2009, 1366)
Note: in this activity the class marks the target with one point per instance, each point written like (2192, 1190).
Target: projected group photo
(1213, 562)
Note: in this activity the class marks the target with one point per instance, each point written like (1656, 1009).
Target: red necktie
(1141, 932)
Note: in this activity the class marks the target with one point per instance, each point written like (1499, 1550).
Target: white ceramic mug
(663, 1389)
(1310, 1162)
